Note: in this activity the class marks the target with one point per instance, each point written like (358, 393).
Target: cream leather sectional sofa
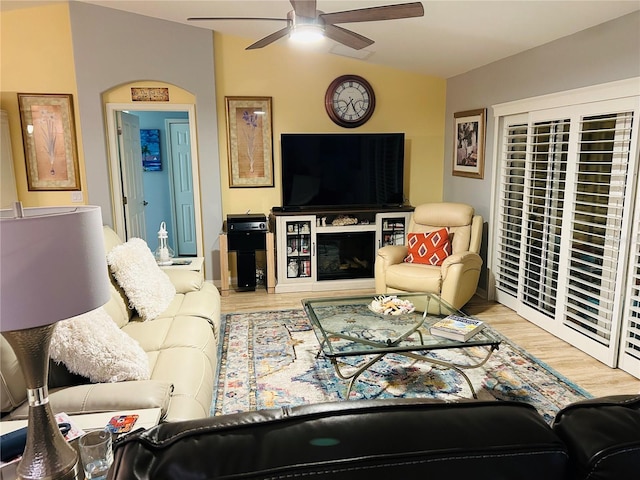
(181, 345)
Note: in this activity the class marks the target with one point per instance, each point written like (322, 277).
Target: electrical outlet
(76, 197)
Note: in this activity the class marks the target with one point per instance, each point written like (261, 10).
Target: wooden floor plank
(587, 372)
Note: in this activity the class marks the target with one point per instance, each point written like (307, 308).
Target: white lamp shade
(53, 265)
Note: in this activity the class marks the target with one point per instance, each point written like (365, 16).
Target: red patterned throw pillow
(428, 248)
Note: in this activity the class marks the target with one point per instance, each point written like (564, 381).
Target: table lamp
(53, 267)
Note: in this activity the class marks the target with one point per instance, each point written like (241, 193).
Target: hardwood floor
(593, 376)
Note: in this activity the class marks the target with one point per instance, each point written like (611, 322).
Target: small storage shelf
(393, 231)
(298, 238)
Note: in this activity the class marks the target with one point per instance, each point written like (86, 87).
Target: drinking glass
(96, 454)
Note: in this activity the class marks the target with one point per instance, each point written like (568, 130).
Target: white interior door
(128, 128)
(182, 188)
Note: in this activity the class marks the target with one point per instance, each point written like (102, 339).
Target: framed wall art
(149, 94)
(48, 132)
(468, 148)
(150, 146)
(250, 141)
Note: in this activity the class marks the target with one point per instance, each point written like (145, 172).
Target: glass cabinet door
(392, 228)
(299, 246)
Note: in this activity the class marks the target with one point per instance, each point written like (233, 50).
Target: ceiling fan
(304, 16)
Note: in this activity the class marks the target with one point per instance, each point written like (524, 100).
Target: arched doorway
(170, 193)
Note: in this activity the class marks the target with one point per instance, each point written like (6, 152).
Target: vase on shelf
(292, 269)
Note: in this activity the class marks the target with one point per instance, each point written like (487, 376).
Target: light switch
(76, 197)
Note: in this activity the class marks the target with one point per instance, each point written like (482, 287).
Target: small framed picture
(150, 145)
(49, 136)
(468, 148)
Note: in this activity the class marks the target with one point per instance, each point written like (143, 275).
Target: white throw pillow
(147, 287)
(93, 346)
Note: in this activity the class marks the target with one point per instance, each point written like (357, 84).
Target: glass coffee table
(347, 327)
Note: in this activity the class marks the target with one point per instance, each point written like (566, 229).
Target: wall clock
(350, 101)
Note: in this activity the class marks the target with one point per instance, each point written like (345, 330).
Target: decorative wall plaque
(149, 94)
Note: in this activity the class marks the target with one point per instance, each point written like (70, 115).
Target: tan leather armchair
(456, 279)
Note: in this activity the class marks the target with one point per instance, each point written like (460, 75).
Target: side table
(195, 264)
(147, 418)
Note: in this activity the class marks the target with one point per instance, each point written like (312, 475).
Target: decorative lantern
(163, 253)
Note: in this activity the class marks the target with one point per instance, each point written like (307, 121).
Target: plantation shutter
(543, 213)
(630, 344)
(533, 180)
(509, 220)
(597, 224)
(562, 217)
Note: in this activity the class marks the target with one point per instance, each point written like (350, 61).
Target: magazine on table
(455, 327)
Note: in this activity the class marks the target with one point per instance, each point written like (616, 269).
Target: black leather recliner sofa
(399, 439)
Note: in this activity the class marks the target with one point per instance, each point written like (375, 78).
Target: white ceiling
(453, 37)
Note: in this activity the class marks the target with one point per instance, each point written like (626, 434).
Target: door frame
(115, 168)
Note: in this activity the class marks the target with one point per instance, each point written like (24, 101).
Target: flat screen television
(325, 170)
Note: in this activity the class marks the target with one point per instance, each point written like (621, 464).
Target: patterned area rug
(269, 360)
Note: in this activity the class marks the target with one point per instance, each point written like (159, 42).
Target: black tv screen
(342, 170)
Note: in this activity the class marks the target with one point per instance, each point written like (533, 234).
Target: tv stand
(333, 248)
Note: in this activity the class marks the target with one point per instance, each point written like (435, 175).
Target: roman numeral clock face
(350, 101)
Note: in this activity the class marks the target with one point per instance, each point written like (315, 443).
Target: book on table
(455, 327)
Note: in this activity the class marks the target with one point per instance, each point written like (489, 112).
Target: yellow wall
(37, 57)
(297, 81)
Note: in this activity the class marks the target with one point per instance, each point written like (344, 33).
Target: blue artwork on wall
(150, 144)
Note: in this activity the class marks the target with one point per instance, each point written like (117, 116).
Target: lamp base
(47, 455)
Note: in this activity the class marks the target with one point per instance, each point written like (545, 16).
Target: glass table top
(347, 326)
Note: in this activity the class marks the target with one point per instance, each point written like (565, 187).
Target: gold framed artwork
(250, 141)
(468, 148)
(48, 133)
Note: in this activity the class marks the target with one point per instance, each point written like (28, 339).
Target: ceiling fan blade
(347, 37)
(304, 8)
(192, 19)
(269, 39)
(386, 12)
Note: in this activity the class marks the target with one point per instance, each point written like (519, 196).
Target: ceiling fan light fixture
(306, 24)
(306, 30)
(306, 33)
